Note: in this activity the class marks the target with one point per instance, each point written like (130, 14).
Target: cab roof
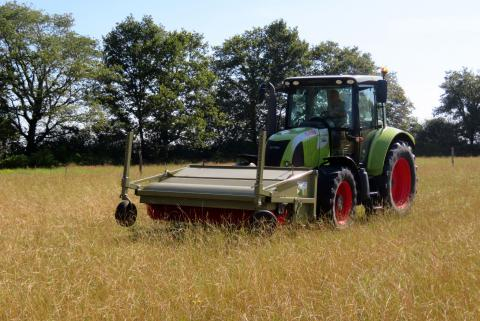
(332, 79)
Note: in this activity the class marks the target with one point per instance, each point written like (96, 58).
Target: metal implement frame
(298, 189)
(126, 166)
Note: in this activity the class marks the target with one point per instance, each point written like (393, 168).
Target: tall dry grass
(64, 258)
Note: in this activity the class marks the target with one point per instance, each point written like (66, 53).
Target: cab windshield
(323, 106)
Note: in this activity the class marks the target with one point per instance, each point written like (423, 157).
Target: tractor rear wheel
(399, 178)
(337, 199)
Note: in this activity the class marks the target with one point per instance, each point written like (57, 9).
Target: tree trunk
(31, 143)
(163, 139)
(142, 139)
(471, 139)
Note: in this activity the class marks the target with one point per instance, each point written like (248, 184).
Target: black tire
(399, 181)
(263, 223)
(126, 213)
(337, 196)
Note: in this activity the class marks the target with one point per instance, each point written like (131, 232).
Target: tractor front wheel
(338, 199)
(400, 178)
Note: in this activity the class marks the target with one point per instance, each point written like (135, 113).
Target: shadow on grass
(177, 233)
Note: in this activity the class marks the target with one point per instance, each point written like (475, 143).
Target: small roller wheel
(263, 222)
(126, 213)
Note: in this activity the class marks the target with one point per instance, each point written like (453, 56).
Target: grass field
(64, 257)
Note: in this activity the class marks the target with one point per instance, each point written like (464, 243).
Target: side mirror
(381, 91)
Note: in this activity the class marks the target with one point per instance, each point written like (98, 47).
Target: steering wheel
(320, 119)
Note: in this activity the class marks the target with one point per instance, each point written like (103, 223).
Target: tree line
(65, 97)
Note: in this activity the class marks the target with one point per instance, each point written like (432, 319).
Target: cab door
(367, 114)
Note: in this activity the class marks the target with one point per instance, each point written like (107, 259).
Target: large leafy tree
(184, 108)
(8, 133)
(244, 62)
(436, 137)
(133, 54)
(328, 58)
(460, 102)
(399, 108)
(45, 69)
(159, 83)
(8, 136)
(274, 52)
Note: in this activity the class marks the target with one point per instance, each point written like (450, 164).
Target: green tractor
(334, 152)
(337, 124)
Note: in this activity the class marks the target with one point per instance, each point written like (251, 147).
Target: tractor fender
(383, 139)
(343, 161)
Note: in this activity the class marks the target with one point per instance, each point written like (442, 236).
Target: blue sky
(420, 40)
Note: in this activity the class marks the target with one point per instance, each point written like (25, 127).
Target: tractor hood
(303, 146)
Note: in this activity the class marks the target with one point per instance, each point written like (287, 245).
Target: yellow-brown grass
(63, 257)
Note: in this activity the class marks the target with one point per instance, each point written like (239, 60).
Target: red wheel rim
(401, 183)
(343, 203)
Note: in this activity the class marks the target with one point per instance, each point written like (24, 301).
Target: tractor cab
(327, 116)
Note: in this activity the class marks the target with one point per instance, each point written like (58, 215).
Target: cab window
(316, 106)
(366, 106)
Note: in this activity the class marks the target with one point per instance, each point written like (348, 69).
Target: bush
(14, 161)
(43, 158)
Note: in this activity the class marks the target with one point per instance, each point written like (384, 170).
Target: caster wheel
(126, 213)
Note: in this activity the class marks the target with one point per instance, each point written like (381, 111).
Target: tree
(8, 136)
(328, 58)
(133, 53)
(461, 102)
(398, 107)
(275, 52)
(184, 107)
(45, 69)
(244, 62)
(436, 137)
(159, 83)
